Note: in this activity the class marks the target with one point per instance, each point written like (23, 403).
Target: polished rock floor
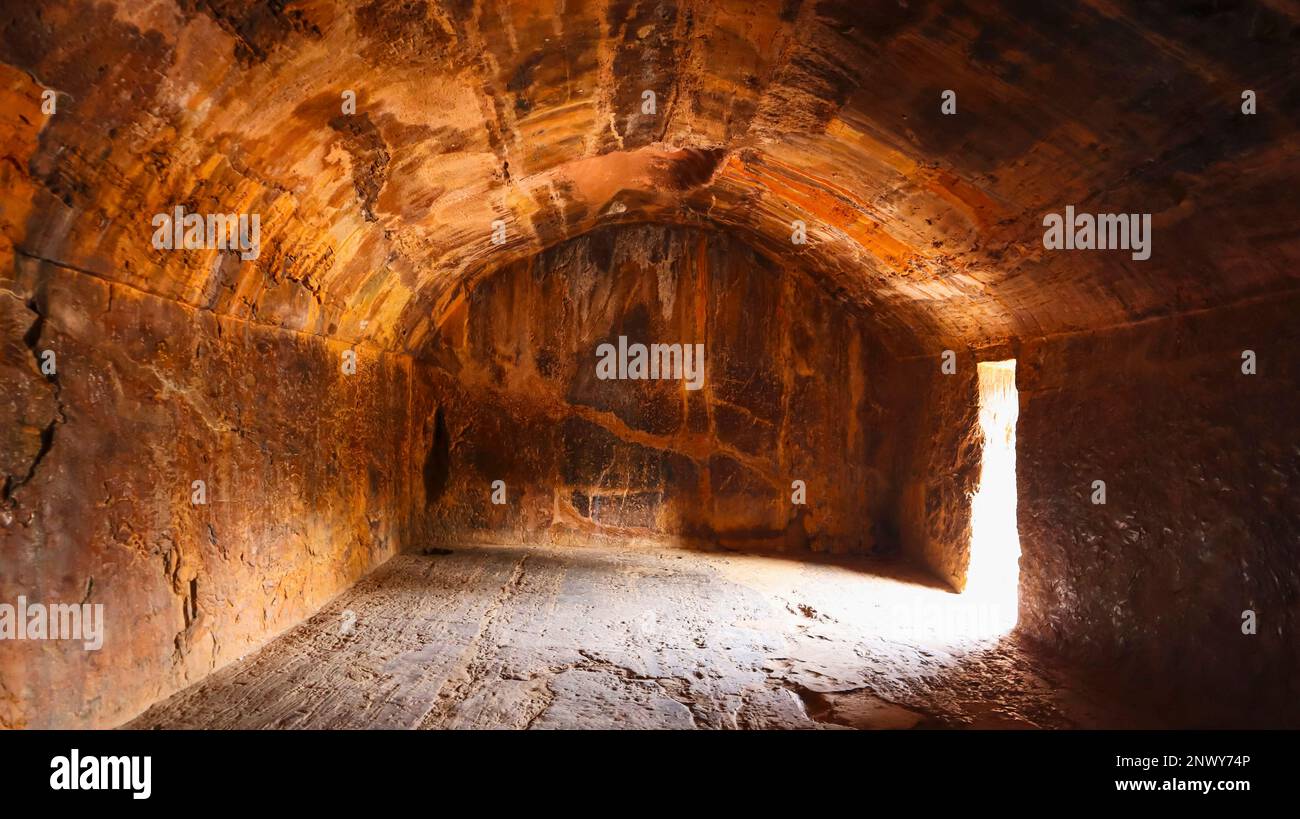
(602, 637)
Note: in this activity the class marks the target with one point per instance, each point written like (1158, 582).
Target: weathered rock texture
(599, 637)
(306, 474)
(940, 462)
(1201, 465)
(924, 234)
(766, 112)
(791, 391)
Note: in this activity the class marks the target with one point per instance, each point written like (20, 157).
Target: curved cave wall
(794, 388)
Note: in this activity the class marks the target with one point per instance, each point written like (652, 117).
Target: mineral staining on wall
(789, 393)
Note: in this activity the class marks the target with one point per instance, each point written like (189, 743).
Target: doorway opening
(993, 578)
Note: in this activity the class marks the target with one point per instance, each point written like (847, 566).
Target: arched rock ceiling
(471, 111)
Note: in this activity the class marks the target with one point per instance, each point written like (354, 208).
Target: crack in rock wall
(306, 486)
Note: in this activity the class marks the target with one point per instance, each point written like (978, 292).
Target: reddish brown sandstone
(475, 359)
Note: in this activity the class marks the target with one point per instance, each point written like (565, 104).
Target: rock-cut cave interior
(649, 364)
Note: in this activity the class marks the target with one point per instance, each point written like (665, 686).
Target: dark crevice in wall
(32, 339)
(437, 463)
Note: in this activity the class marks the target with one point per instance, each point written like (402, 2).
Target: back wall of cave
(795, 388)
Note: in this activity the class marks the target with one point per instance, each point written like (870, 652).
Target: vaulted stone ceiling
(766, 112)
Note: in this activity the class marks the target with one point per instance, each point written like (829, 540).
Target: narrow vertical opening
(437, 463)
(993, 577)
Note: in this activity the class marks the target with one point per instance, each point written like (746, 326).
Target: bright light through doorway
(994, 574)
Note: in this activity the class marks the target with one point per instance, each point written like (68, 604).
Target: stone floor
(515, 637)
